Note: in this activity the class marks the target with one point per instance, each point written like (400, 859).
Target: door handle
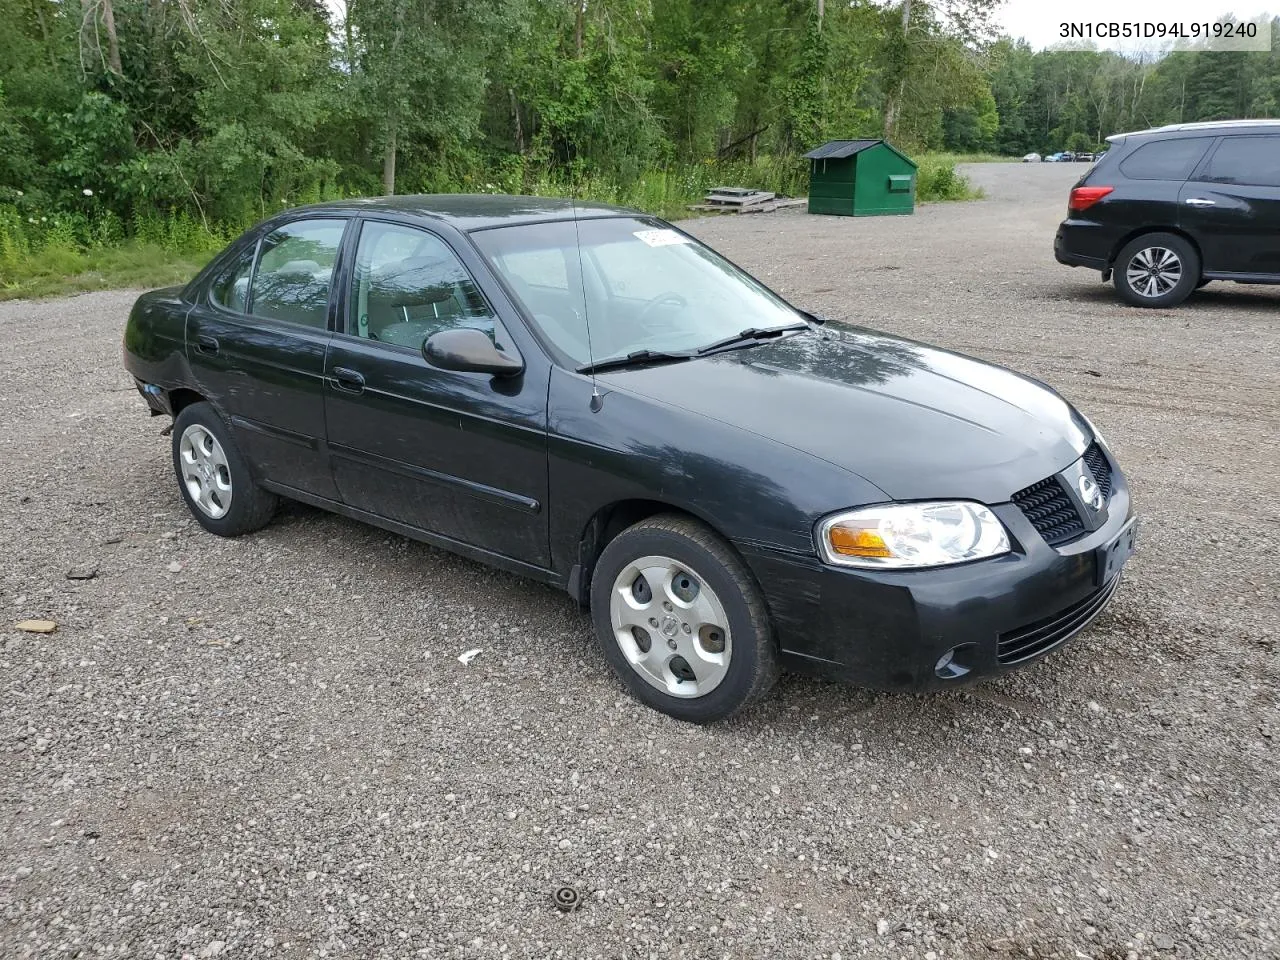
(348, 379)
(206, 344)
(1200, 202)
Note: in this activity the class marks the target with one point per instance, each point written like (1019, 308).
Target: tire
(214, 478)
(706, 622)
(1157, 270)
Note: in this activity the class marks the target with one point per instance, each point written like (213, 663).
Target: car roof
(1207, 126)
(473, 211)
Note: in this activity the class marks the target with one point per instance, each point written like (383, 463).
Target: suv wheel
(1157, 270)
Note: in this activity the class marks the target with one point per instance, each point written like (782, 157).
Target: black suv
(1168, 210)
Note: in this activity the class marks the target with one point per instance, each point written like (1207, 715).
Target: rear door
(256, 342)
(1231, 206)
(1151, 175)
(462, 455)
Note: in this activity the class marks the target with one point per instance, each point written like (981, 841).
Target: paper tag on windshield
(661, 238)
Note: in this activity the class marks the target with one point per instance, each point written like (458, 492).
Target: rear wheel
(213, 476)
(681, 621)
(1157, 270)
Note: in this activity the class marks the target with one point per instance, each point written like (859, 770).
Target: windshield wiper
(749, 336)
(636, 358)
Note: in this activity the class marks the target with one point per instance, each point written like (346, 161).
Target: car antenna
(597, 401)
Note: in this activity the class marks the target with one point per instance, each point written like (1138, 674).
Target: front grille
(1043, 635)
(1050, 511)
(1101, 469)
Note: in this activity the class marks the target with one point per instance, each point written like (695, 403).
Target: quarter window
(231, 290)
(295, 270)
(409, 284)
(1165, 159)
(1246, 160)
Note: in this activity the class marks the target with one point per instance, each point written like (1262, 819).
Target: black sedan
(590, 397)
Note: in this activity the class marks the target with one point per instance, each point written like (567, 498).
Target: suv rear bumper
(1084, 243)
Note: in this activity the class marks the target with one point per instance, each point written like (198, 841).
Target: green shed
(861, 178)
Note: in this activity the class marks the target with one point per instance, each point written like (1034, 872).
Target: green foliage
(937, 179)
(1050, 100)
(198, 118)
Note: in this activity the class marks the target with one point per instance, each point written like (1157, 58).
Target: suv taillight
(1082, 198)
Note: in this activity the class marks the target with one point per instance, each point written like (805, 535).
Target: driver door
(459, 455)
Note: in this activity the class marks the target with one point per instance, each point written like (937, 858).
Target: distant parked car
(1031, 158)
(1084, 157)
(1165, 211)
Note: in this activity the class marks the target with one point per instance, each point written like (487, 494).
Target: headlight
(897, 535)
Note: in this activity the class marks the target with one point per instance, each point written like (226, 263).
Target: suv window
(295, 268)
(231, 290)
(409, 285)
(1165, 159)
(1246, 160)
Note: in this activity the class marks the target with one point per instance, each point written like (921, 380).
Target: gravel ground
(267, 747)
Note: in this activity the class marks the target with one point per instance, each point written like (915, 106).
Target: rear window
(1165, 159)
(1246, 160)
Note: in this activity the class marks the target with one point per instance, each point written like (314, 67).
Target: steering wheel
(662, 299)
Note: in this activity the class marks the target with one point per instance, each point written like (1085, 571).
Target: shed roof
(839, 149)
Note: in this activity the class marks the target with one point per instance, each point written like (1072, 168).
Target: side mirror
(469, 351)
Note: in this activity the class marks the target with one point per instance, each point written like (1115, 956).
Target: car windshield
(642, 285)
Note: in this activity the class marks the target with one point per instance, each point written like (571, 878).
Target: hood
(916, 421)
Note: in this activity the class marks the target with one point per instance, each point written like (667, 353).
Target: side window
(1246, 160)
(231, 290)
(1165, 159)
(295, 268)
(409, 285)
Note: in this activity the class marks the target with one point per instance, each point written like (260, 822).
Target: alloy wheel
(670, 626)
(1153, 272)
(205, 471)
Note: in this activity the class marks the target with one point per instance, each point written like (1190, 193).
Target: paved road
(267, 747)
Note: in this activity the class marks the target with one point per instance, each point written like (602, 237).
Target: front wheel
(1157, 270)
(681, 621)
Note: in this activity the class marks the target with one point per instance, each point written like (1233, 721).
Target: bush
(938, 180)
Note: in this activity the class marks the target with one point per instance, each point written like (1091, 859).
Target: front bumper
(889, 629)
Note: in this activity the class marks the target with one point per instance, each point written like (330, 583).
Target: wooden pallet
(759, 206)
(738, 197)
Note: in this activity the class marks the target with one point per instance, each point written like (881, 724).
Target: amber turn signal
(857, 542)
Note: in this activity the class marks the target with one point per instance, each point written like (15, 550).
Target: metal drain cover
(567, 898)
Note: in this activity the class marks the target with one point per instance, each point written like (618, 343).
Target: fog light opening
(955, 663)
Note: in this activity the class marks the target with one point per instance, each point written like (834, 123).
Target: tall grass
(63, 252)
(86, 248)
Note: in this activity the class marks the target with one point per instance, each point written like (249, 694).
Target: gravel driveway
(268, 747)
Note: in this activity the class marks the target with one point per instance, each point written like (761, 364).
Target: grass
(969, 158)
(75, 254)
(60, 270)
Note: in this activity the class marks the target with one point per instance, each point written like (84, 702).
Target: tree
(915, 47)
(418, 72)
